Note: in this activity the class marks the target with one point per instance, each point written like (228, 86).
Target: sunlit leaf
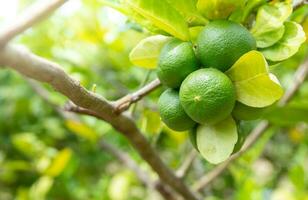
(254, 85)
(147, 51)
(194, 32)
(28, 144)
(288, 45)
(151, 122)
(59, 163)
(81, 130)
(122, 181)
(216, 142)
(162, 15)
(177, 137)
(189, 10)
(269, 27)
(219, 9)
(40, 188)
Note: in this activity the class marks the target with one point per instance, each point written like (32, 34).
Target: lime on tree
(207, 96)
(223, 42)
(172, 112)
(177, 60)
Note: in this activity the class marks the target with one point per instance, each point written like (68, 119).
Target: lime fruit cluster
(199, 91)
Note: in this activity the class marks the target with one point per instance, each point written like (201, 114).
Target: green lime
(244, 112)
(221, 43)
(172, 112)
(177, 60)
(207, 96)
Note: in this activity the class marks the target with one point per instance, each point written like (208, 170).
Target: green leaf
(147, 51)
(300, 14)
(297, 176)
(162, 15)
(194, 32)
(240, 15)
(189, 10)
(288, 45)
(269, 28)
(81, 130)
(254, 85)
(291, 115)
(40, 188)
(151, 123)
(29, 144)
(216, 142)
(218, 9)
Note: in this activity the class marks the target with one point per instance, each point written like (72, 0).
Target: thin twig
(298, 79)
(125, 102)
(187, 164)
(144, 82)
(26, 20)
(131, 164)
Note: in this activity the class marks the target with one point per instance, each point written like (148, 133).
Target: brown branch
(43, 70)
(298, 79)
(28, 19)
(187, 164)
(120, 155)
(125, 102)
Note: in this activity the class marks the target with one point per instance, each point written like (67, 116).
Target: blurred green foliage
(43, 156)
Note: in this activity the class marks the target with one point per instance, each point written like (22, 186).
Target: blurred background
(44, 156)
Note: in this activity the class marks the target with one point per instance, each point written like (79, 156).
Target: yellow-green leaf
(177, 137)
(59, 163)
(146, 52)
(194, 32)
(162, 15)
(40, 188)
(288, 45)
(151, 122)
(81, 130)
(29, 144)
(216, 142)
(269, 27)
(189, 10)
(254, 85)
(219, 9)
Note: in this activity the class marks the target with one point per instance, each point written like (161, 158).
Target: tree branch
(125, 102)
(298, 79)
(42, 70)
(26, 20)
(120, 155)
